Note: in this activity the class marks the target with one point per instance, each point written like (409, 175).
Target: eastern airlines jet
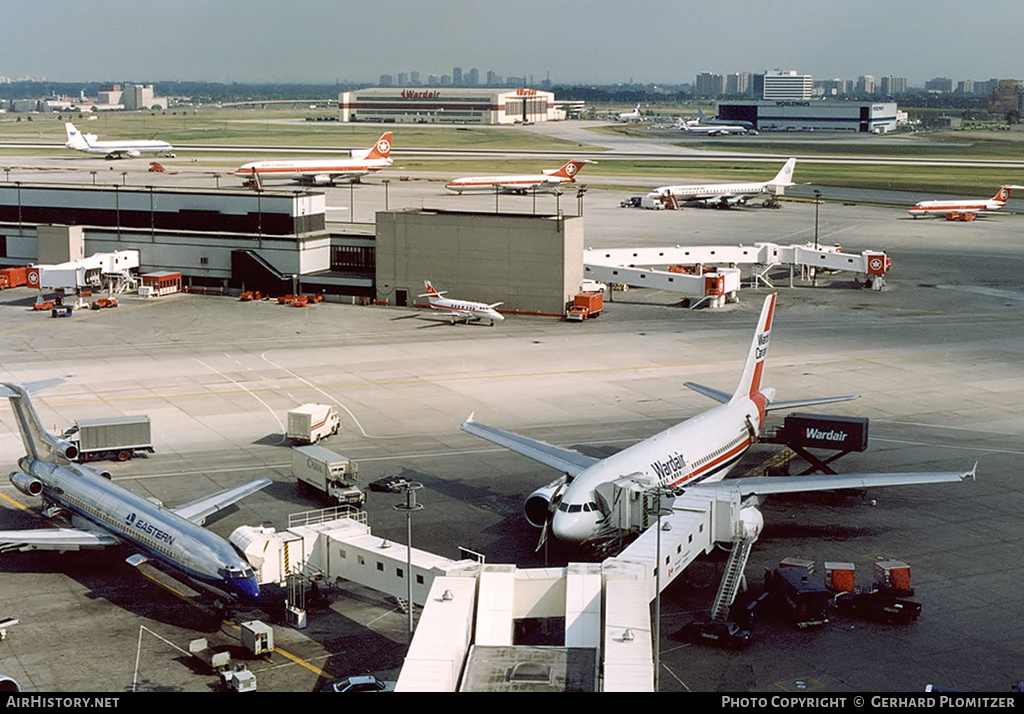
(464, 310)
(696, 454)
(727, 194)
(114, 149)
(323, 171)
(102, 513)
(963, 205)
(549, 180)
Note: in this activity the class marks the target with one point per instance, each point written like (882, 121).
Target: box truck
(111, 437)
(310, 423)
(331, 474)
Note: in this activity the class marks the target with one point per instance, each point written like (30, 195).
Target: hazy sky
(573, 40)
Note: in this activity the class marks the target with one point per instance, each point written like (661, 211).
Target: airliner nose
(247, 588)
(573, 527)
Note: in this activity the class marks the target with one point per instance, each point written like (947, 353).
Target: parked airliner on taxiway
(549, 180)
(322, 171)
(114, 149)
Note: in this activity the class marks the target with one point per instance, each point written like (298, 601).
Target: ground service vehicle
(366, 683)
(13, 277)
(331, 474)
(879, 605)
(723, 633)
(800, 594)
(390, 484)
(310, 423)
(585, 305)
(110, 437)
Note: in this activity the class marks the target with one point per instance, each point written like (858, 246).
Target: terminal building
(279, 242)
(813, 115)
(448, 105)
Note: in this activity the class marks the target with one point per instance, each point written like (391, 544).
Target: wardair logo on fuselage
(671, 468)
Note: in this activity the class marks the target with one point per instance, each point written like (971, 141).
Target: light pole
(817, 202)
(385, 182)
(409, 506)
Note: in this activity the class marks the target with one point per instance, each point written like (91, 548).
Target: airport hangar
(279, 242)
(417, 105)
(813, 115)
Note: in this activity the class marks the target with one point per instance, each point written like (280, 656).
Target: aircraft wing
(565, 460)
(61, 539)
(198, 511)
(763, 486)
(798, 403)
(717, 394)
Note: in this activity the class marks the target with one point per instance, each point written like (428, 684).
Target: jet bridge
(712, 273)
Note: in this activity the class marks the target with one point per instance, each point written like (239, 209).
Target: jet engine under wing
(565, 460)
(763, 486)
(61, 539)
(198, 511)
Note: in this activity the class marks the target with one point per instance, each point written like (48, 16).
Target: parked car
(390, 484)
(723, 633)
(362, 683)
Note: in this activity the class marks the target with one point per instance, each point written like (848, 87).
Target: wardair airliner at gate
(695, 454)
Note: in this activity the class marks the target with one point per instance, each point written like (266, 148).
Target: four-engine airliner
(727, 194)
(100, 513)
(696, 454)
(322, 171)
(114, 149)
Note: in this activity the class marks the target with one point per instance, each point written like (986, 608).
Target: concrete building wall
(528, 263)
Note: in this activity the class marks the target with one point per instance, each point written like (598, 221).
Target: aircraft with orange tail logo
(322, 171)
(521, 184)
(964, 206)
(694, 455)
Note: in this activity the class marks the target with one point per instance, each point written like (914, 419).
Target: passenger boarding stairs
(732, 578)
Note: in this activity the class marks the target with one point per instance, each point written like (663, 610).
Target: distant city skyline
(596, 42)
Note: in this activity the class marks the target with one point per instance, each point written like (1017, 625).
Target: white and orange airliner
(322, 171)
(549, 180)
(695, 454)
(963, 206)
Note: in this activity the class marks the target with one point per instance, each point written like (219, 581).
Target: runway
(936, 358)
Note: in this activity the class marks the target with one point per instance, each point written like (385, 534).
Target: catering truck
(331, 474)
(310, 423)
(118, 438)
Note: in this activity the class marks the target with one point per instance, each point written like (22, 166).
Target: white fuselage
(522, 183)
(327, 169)
(925, 208)
(466, 309)
(701, 449)
(710, 191)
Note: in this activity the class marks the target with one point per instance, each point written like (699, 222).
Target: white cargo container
(331, 474)
(310, 423)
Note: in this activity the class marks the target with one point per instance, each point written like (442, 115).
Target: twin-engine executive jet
(695, 454)
(965, 206)
(464, 310)
(114, 149)
(727, 194)
(549, 180)
(322, 171)
(102, 513)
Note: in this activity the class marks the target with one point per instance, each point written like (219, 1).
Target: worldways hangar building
(813, 115)
(448, 105)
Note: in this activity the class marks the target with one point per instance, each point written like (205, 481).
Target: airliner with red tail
(963, 206)
(322, 171)
(695, 454)
(549, 180)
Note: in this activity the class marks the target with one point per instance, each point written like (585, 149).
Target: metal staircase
(732, 578)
